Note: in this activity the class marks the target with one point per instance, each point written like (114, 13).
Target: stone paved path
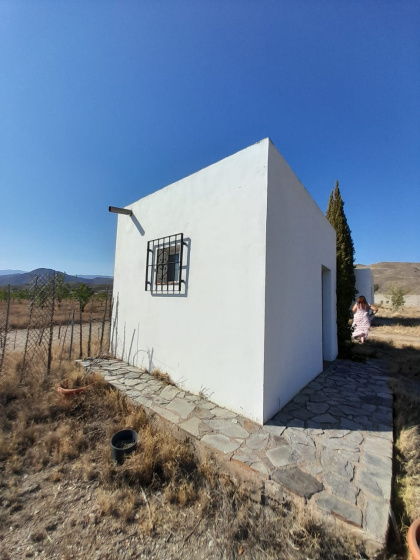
(331, 445)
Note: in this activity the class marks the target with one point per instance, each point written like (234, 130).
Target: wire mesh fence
(39, 334)
(4, 327)
(44, 325)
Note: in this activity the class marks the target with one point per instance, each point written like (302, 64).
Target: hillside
(8, 271)
(402, 274)
(27, 277)
(385, 274)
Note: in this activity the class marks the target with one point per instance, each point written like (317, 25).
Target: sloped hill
(8, 271)
(27, 277)
(402, 274)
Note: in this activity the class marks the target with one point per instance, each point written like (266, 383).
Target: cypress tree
(346, 279)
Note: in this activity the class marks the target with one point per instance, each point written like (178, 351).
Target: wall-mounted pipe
(117, 210)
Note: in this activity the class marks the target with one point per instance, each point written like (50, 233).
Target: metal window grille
(164, 264)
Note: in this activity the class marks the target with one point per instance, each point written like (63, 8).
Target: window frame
(173, 268)
(170, 245)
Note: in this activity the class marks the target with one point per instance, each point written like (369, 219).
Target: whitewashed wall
(248, 331)
(364, 284)
(411, 300)
(300, 246)
(211, 340)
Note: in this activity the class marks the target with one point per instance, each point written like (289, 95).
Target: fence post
(31, 309)
(50, 340)
(64, 340)
(131, 345)
(90, 327)
(111, 338)
(80, 328)
(103, 322)
(71, 334)
(6, 326)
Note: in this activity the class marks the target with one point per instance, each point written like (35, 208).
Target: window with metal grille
(164, 264)
(167, 269)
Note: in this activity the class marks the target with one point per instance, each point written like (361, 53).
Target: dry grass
(19, 312)
(408, 446)
(405, 369)
(400, 349)
(406, 490)
(163, 483)
(402, 313)
(78, 379)
(399, 328)
(403, 363)
(162, 489)
(162, 376)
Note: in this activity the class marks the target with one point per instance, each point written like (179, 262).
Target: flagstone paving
(331, 445)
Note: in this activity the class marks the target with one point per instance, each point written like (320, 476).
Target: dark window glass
(167, 269)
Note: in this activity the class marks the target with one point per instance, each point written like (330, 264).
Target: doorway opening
(327, 327)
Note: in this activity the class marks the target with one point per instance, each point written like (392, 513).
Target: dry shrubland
(404, 322)
(162, 492)
(19, 312)
(164, 501)
(405, 372)
(403, 364)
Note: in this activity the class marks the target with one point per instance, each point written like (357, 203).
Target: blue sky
(102, 103)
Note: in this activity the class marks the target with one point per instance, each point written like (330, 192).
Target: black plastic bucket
(123, 443)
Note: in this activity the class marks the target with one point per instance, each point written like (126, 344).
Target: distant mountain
(402, 274)
(8, 272)
(91, 277)
(25, 278)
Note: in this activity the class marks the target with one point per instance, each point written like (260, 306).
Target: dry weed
(162, 376)
(404, 370)
(162, 488)
(399, 328)
(407, 447)
(122, 503)
(55, 475)
(19, 312)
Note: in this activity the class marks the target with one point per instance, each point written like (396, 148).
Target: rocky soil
(64, 519)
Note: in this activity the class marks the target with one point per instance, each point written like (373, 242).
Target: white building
(364, 284)
(226, 280)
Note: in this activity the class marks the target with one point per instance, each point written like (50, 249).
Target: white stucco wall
(247, 328)
(211, 340)
(364, 284)
(300, 246)
(411, 300)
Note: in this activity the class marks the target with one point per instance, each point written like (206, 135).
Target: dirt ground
(402, 328)
(64, 519)
(61, 497)
(61, 508)
(16, 338)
